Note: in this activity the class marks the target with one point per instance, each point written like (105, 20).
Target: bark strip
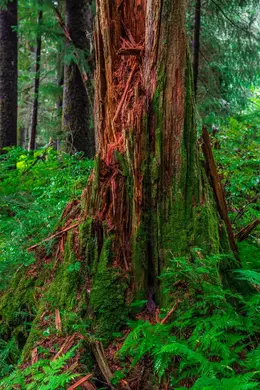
(217, 186)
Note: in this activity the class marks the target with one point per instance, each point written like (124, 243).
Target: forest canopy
(129, 194)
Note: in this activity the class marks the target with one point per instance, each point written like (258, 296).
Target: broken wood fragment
(98, 352)
(174, 308)
(58, 323)
(81, 382)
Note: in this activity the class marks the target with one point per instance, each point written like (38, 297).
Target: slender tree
(8, 74)
(77, 109)
(38, 48)
(196, 44)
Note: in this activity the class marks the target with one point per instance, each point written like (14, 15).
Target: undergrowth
(212, 339)
(34, 190)
(42, 375)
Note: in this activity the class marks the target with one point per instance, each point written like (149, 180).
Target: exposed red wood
(217, 186)
(244, 232)
(58, 323)
(125, 92)
(35, 357)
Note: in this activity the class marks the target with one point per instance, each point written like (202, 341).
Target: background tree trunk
(196, 44)
(8, 74)
(34, 121)
(77, 110)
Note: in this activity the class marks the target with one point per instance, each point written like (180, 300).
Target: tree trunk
(34, 121)
(77, 110)
(196, 44)
(8, 74)
(148, 199)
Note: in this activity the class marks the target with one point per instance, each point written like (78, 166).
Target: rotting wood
(98, 352)
(217, 186)
(244, 232)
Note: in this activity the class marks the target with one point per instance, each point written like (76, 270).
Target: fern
(206, 340)
(43, 375)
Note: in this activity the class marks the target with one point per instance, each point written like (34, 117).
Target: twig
(54, 236)
(175, 307)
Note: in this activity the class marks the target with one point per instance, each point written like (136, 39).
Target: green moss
(140, 262)
(108, 295)
(62, 292)
(88, 247)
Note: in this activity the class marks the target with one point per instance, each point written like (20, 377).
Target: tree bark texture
(77, 108)
(8, 74)
(34, 120)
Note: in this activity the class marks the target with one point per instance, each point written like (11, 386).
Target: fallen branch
(244, 233)
(65, 347)
(54, 236)
(80, 382)
(175, 307)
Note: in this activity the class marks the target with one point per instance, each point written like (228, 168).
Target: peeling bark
(217, 186)
(245, 232)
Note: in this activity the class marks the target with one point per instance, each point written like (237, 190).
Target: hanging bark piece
(217, 186)
(244, 232)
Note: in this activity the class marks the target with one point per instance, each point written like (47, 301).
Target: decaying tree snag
(217, 186)
(244, 232)
(148, 200)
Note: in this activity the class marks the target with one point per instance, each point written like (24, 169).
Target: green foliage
(211, 342)
(32, 198)
(43, 375)
(237, 154)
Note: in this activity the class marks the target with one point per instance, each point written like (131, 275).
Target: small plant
(43, 375)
